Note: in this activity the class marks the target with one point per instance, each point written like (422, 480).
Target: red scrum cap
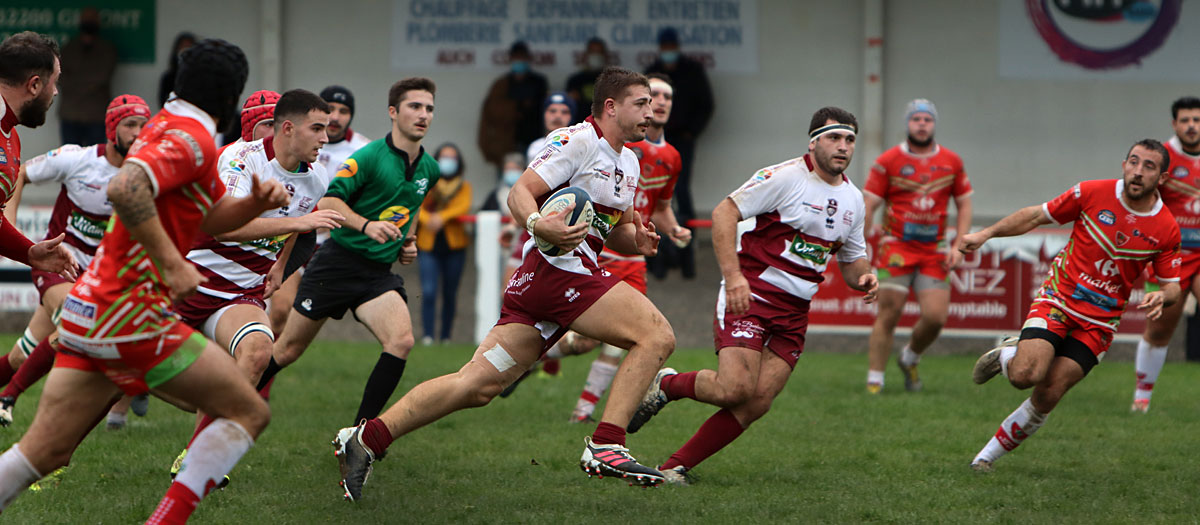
(121, 107)
(259, 107)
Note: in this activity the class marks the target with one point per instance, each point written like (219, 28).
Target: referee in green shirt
(379, 191)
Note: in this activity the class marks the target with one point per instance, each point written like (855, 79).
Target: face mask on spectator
(520, 66)
(595, 61)
(511, 176)
(448, 166)
(669, 57)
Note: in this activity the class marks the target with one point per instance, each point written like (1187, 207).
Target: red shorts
(548, 298)
(632, 272)
(896, 259)
(136, 366)
(196, 310)
(782, 329)
(45, 280)
(1047, 316)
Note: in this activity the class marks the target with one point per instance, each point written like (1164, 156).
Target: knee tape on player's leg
(608, 350)
(27, 343)
(246, 330)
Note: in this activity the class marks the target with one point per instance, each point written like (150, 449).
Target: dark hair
(519, 48)
(1157, 147)
(26, 54)
(612, 83)
(835, 114)
(1184, 103)
(660, 77)
(437, 155)
(400, 88)
(296, 104)
(211, 75)
(596, 40)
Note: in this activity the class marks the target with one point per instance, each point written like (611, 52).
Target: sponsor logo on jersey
(848, 217)
(907, 170)
(814, 208)
(808, 251)
(605, 223)
(919, 232)
(398, 215)
(1083, 293)
(1190, 237)
(1180, 172)
(1130, 218)
(1107, 217)
(925, 202)
(1149, 238)
(560, 140)
(1106, 285)
(4, 156)
(347, 169)
(762, 175)
(422, 186)
(91, 228)
(1077, 191)
(80, 313)
(571, 295)
(306, 304)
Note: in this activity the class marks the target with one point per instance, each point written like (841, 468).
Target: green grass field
(827, 452)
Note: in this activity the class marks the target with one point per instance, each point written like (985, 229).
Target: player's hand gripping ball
(559, 201)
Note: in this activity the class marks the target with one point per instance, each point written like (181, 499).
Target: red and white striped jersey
(82, 209)
(238, 268)
(800, 220)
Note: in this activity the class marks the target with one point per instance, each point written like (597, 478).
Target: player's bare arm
(1020, 222)
(522, 202)
(379, 231)
(10, 208)
(274, 278)
(48, 255)
(664, 220)
(1154, 302)
(962, 225)
(231, 213)
(262, 228)
(724, 231)
(631, 236)
(408, 251)
(858, 276)
(133, 201)
(872, 203)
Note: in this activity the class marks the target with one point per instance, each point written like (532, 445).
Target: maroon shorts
(549, 298)
(45, 280)
(782, 329)
(196, 310)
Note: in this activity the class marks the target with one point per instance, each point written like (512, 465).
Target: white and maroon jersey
(1180, 191)
(579, 156)
(660, 164)
(1110, 245)
(800, 221)
(535, 148)
(333, 154)
(237, 268)
(82, 209)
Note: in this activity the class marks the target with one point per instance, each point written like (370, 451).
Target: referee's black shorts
(337, 279)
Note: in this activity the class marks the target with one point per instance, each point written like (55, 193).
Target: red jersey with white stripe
(1180, 191)
(121, 297)
(579, 156)
(917, 189)
(10, 151)
(1110, 245)
(82, 209)
(800, 220)
(660, 166)
(238, 268)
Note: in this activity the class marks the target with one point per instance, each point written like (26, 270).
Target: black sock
(272, 369)
(380, 386)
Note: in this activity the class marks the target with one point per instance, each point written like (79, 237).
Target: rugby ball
(559, 201)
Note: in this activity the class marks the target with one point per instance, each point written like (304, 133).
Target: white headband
(831, 128)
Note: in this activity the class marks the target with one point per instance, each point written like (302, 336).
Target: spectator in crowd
(557, 110)
(581, 84)
(85, 92)
(692, 110)
(442, 241)
(510, 117)
(166, 84)
(512, 236)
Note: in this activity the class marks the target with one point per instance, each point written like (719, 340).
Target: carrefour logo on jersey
(1107, 217)
(398, 215)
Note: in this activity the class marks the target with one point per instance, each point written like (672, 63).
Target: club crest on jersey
(1106, 217)
(1122, 238)
(1179, 172)
(620, 176)
(831, 207)
(422, 185)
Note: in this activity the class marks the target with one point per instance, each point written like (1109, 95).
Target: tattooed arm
(132, 198)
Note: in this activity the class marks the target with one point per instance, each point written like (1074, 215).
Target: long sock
(556, 351)
(210, 457)
(34, 368)
(1150, 360)
(908, 357)
(1006, 357)
(268, 374)
(6, 369)
(875, 377)
(380, 386)
(376, 436)
(720, 430)
(608, 434)
(201, 424)
(16, 474)
(680, 386)
(1015, 429)
(265, 391)
(598, 380)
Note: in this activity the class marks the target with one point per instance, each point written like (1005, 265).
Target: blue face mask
(448, 166)
(511, 176)
(520, 66)
(669, 57)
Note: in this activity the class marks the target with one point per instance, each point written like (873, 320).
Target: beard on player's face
(32, 113)
(912, 139)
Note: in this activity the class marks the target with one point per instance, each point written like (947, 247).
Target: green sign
(128, 24)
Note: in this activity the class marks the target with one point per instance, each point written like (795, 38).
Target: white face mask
(511, 176)
(448, 166)
(595, 61)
